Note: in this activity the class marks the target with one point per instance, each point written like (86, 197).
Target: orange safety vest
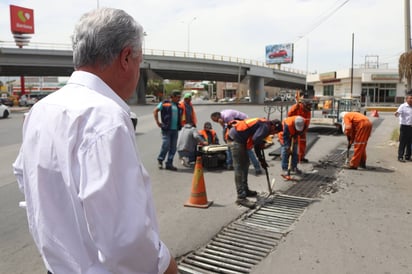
(299, 110)
(243, 125)
(289, 125)
(194, 118)
(205, 136)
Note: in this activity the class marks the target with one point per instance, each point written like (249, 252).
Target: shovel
(267, 175)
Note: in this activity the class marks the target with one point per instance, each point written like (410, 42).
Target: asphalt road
(182, 229)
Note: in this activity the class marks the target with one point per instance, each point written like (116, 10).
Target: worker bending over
(357, 129)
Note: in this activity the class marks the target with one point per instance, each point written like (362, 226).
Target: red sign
(21, 20)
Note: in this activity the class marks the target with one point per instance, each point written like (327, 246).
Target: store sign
(385, 77)
(21, 20)
(327, 76)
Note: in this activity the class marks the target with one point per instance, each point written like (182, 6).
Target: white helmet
(299, 123)
(341, 116)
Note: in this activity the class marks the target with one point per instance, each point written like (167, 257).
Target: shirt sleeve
(116, 195)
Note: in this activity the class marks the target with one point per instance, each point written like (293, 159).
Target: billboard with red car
(279, 53)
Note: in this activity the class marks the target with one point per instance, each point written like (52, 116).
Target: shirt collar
(95, 83)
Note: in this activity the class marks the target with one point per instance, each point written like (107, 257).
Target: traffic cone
(198, 197)
(375, 113)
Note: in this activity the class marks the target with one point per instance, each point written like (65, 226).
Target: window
(328, 90)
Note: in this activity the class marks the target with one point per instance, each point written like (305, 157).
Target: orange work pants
(362, 132)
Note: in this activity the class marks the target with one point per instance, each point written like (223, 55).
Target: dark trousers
(405, 141)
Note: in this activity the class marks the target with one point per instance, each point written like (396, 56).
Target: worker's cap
(299, 123)
(176, 93)
(187, 95)
(341, 116)
(207, 125)
(277, 124)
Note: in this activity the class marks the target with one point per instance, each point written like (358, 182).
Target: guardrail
(162, 52)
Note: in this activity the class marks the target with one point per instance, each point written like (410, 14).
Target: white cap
(341, 115)
(299, 123)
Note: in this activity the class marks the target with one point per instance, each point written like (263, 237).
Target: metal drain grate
(246, 241)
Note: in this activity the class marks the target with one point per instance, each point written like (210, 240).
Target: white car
(151, 98)
(4, 111)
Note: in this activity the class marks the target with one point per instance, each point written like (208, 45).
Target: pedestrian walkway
(363, 227)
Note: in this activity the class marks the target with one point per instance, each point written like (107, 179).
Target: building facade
(374, 86)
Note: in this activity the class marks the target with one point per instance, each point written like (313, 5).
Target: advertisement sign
(279, 54)
(21, 20)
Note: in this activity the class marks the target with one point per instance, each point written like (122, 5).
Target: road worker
(292, 127)
(302, 108)
(189, 114)
(209, 134)
(245, 135)
(357, 129)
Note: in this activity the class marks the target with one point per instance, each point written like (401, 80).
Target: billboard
(21, 20)
(279, 53)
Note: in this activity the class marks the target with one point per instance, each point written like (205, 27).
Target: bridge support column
(256, 90)
(139, 97)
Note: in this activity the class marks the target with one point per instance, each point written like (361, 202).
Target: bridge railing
(162, 52)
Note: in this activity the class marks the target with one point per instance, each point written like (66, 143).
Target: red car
(279, 53)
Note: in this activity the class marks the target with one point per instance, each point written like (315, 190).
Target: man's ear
(125, 56)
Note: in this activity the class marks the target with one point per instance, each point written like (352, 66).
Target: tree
(405, 68)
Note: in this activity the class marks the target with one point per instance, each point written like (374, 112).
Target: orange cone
(375, 113)
(198, 197)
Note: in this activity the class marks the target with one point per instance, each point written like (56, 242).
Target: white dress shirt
(89, 198)
(405, 114)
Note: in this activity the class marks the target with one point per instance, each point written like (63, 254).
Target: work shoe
(304, 160)
(251, 193)
(349, 167)
(159, 164)
(185, 162)
(296, 171)
(246, 203)
(258, 172)
(171, 167)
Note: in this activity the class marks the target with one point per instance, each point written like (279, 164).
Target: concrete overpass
(159, 64)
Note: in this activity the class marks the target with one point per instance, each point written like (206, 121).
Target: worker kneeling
(247, 134)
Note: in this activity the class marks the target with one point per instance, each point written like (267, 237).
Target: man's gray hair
(102, 34)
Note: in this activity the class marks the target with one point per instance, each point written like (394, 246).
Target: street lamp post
(188, 34)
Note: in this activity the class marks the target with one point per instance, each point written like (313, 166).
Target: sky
(322, 31)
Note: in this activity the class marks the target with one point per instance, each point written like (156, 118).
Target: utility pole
(407, 10)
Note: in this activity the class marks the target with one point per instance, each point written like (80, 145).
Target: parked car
(27, 101)
(6, 101)
(4, 111)
(279, 53)
(151, 98)
(224, 100)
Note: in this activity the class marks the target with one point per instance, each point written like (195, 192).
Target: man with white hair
(89, 198)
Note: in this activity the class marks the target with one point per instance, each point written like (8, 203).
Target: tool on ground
(267, 174)
(288, 177)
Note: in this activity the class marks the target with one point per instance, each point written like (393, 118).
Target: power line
(323, 17)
